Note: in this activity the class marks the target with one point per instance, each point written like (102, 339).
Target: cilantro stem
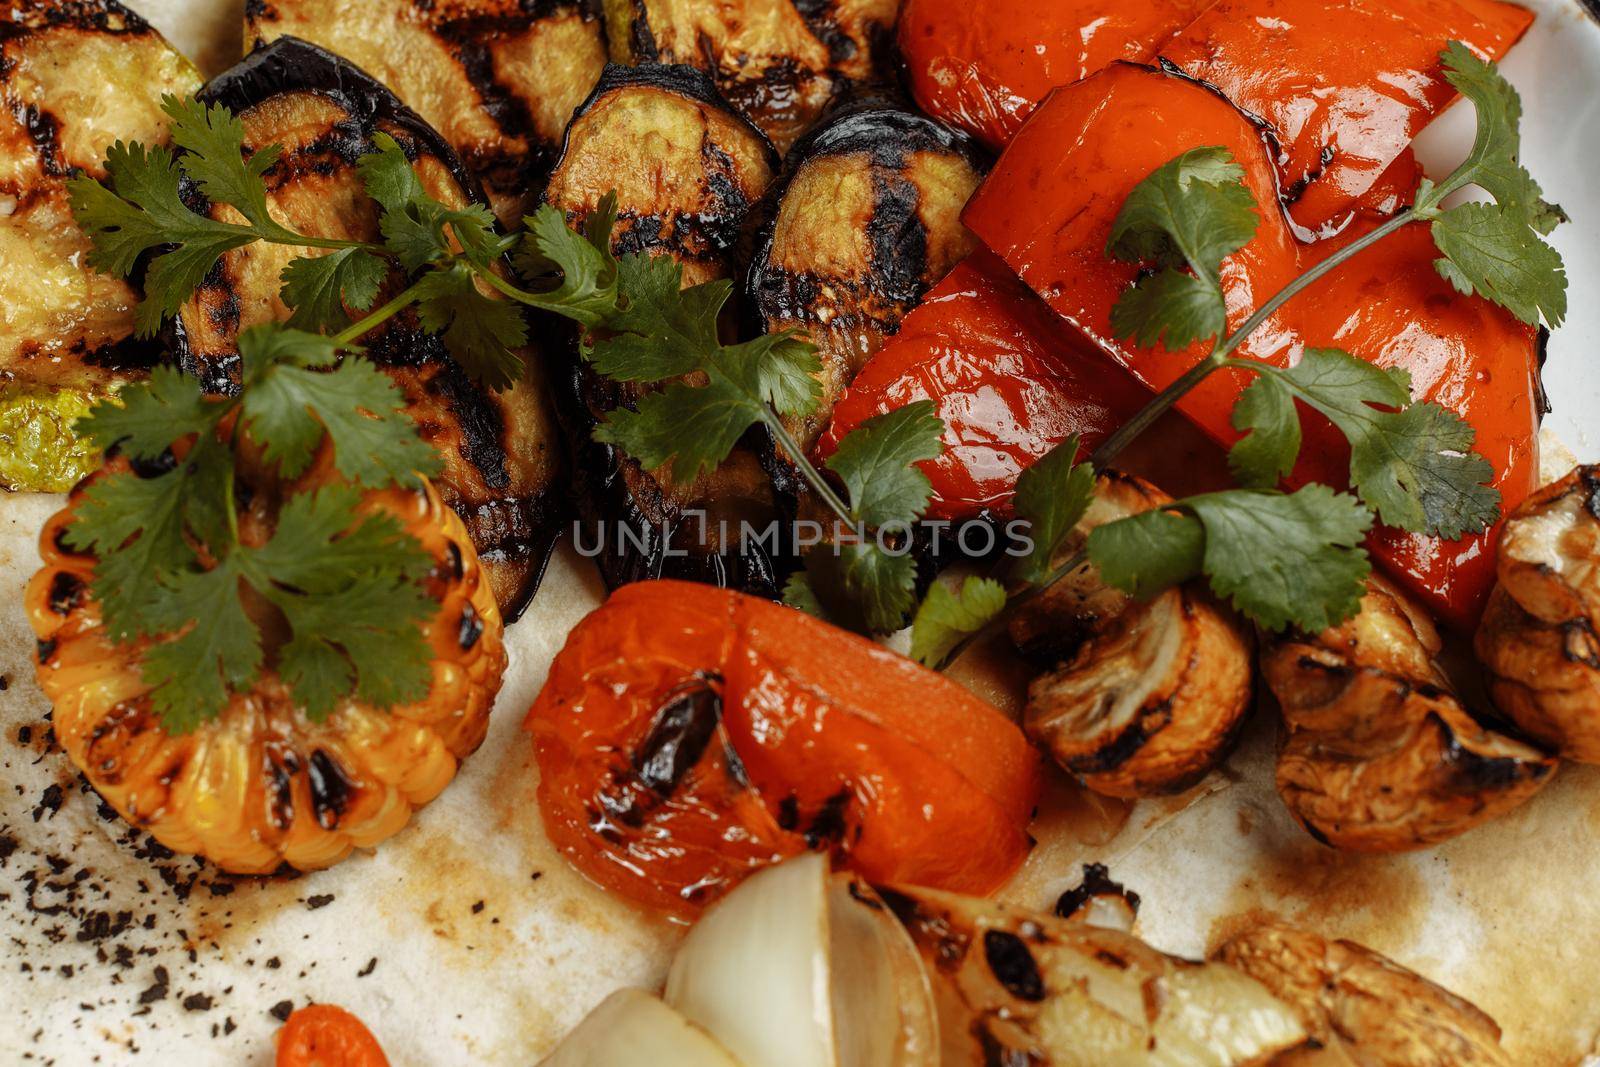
(356, 330)
(1219, 357)
(813, 477)
(1013, 602)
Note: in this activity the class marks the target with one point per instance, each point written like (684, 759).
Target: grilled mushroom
(498, 78)
(1144, 697)
(686, 169)
(865, 219)
(1362, 1008)
(74, 78)
(1381, 755)
(1538, 638)
(502, 451)
(778, 61)
(263, 784)
(1015, 987)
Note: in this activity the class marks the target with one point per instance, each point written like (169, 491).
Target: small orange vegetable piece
(688, 735)
(322, 1035)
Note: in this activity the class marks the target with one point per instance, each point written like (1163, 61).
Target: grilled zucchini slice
(498, 78)
(864, 221)
(502, 451)
(687, 169)
(778, 61)
(74, 78)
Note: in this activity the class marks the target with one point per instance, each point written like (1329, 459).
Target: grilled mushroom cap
(262, 785)
(1363, 1008)
(1146, 697)
(1538, 639)
(1016, 987)
(1381, 755)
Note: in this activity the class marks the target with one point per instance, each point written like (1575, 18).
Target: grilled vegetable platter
(762, 533)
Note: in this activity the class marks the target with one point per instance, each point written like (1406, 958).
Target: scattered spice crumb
(197, 1002)
(321, 900)
(372, 965)
(282, 1010)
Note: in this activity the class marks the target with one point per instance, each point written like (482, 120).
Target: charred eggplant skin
(488, 87)
(633, 525)
(503, 453)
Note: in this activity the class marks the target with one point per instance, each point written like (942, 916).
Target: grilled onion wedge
(686, 169)
(262, 785)
(1381, 754)
(779, 61)
(864, 220)
(497, 78)
(1017, 987)
(502, 451)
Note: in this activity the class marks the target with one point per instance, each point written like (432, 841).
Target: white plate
(466, 939)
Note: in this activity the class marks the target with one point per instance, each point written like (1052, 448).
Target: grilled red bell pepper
(1344, 84)
(1047, 210)
(1007, 376)
(984, 66)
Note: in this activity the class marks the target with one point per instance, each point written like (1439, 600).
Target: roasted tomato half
(688, 735)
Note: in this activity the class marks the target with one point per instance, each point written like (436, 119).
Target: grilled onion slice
(1540, 637)
(633, 1027)
(1382, 755)
(1015, 987)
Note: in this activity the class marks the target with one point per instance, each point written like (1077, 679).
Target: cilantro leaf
(217, 651)
(1052, 495)
(1149, 551)
(861, 586)
(877, 463)
(693, 427)
(292, 397)
(214, 142)
(1497, 250)
(1488, 250)
(587, 292)
(787, 366)
(319, 288)
(1410, 461)
(480, 331)
(417, 228)
(798, 594)
(141, 210)
(146, 418)
(945, 618)
(1190, 213)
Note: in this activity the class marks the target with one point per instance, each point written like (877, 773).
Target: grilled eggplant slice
(864, 221)
(686, 169)
(497, 78)
(502, 451)
(74, 78)
(1382, 755)
(778, 61)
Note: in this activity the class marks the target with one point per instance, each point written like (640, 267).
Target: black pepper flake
(477, 908)
(321, 900)
(371, 966)
(274, 963)
(197, 1002)
(5, 682)
(157, 990)
(282, 1010)
(49, 800)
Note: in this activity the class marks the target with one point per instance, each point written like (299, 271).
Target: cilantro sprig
(1283, 559)
(175, 576)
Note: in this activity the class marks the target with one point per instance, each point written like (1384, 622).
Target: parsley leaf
(1191, 212)
(1410, 461)
(877, 463)
(1052, 496)
(945, 617)
(1281, 559)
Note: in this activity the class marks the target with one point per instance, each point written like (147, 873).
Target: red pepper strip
(1344, 84)
(1047, 210)
(983, 66)
(1007, 376)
